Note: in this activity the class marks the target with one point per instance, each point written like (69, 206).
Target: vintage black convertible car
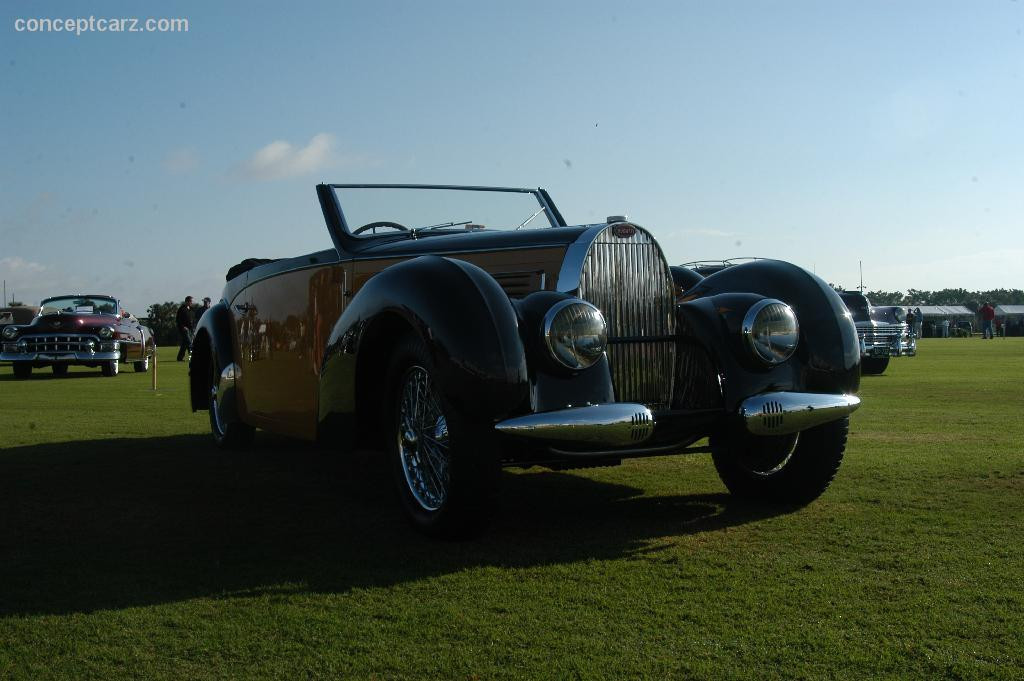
(462, 329)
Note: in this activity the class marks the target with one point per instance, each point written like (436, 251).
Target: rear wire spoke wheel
(228, 431)
(445, 467)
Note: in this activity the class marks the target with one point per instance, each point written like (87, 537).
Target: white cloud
(181, 161)
(282, 159)
(18, 265)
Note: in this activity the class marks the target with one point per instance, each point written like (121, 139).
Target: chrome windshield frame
(555, 218)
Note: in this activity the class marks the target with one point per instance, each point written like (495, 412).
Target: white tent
(1009, 310)
(944, 311)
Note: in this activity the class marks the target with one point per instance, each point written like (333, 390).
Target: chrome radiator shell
(621, 269)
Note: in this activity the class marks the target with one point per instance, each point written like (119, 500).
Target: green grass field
(129, 546)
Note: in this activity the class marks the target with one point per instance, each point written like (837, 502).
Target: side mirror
(125, 314)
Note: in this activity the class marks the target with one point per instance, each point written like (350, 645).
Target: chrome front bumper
(783, 412)
(58, 356)
(620, 424)
(625, 424)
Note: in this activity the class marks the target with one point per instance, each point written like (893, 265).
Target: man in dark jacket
(200, 311)
(186, 325)
(988, 314)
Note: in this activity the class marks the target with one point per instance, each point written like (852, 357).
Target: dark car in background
(883, 332)
(83, 330)
(463, 329)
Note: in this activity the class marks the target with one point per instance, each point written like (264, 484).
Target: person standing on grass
(186, 326)
(911, 322)
(988, 314)
(202, 310)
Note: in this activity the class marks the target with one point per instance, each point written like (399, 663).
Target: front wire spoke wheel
(425, 456)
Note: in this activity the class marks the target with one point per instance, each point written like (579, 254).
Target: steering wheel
(380, 223)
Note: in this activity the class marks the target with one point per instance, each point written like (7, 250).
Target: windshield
(392, 209)
(79, 305)
(858, 306)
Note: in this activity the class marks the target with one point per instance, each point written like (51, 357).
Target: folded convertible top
(246, 265)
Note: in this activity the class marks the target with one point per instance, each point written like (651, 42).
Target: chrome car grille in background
(628, 279)
(60, 343)
(881, 334)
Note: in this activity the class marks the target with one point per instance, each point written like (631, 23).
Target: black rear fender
(213, 332)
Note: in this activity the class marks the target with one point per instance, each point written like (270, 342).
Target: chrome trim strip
(786, 412)
(619, 424)
(575, 254)
(58, 356)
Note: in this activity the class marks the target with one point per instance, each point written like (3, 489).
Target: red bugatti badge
(623, 230)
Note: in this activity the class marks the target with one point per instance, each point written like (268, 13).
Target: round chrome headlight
(576, 333)
(10, 332)
(771, 331)
(106, 331)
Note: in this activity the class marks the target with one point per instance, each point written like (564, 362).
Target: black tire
(110, 367)
(870, 366)
(787, 469)
(59, 369)
(22, 370)
(228, 433)
(142, 366)
(453, 493)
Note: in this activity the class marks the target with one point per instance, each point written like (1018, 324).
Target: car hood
(887, 315)
(451, 241)
(70, 323)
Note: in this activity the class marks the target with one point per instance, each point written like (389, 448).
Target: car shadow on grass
(132, 522)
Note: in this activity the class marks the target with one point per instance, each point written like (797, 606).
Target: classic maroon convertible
(86, 330)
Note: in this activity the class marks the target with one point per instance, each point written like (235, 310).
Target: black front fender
(827, 359)
(463, 317)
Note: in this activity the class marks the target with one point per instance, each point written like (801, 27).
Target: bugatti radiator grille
(627, 278)
(696, 380)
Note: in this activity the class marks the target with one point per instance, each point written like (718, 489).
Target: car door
(288, 318)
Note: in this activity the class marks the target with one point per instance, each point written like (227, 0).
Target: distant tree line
(972, 300)
(161, 320)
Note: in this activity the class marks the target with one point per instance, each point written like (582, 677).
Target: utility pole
(860, 263)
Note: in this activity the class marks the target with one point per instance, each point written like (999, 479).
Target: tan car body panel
(282, 335)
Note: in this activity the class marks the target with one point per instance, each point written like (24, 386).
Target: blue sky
(822, 133)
